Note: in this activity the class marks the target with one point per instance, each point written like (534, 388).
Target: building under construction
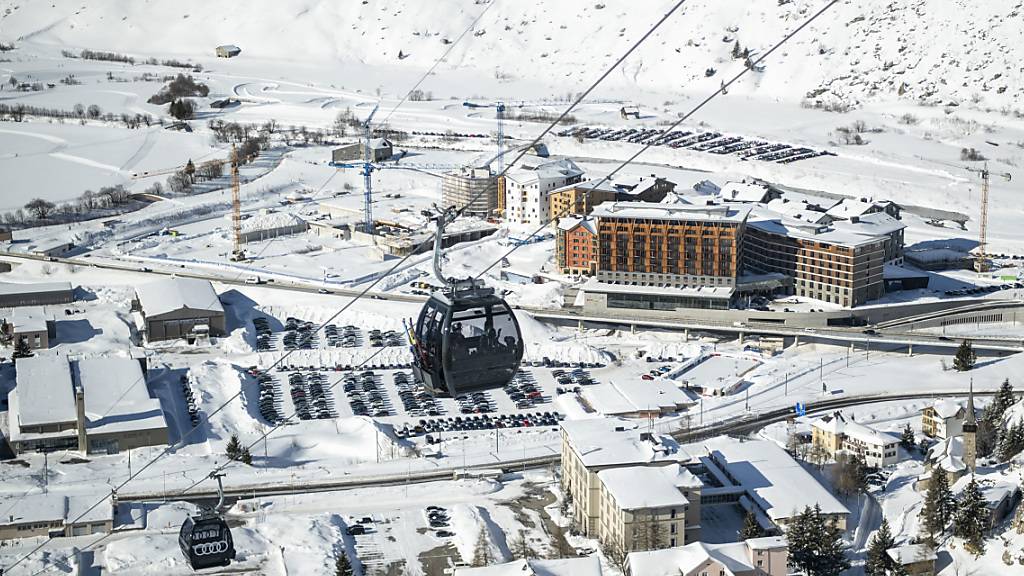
(475, 189)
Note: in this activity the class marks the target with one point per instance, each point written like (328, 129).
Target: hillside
(860, 51)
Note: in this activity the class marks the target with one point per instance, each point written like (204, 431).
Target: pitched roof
(732, 556)
(170, 294)
(586, 566)
(911, 553)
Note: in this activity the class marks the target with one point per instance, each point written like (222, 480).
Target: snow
(588, 566)
(44, 389)
(646, 211)
(662, 486)
(116, 396)
(8, 288)
(164, 296)
(28, 319)
(603, 442)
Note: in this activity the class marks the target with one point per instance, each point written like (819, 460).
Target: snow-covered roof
(606, 442)
(586, 566)
(744, 192)
(837, 424)
(661, 486)
(45, 390)
(843, 234)
(946, 408)
(628, 185)
(631, 396)
(529, 172)
(271, 221)
(733, 556)
(7, 288)
(28, 319)
(911, 553)
(948, 454)
(116, 397)
(994, 489)
(876, 224)
(733, 214)
(170, 294)
(569, 222)
(34, 508)
(380, 144)
(780, 485)
(856, 207)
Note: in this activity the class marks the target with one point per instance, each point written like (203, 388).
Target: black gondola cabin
(206, 541)
(467, 339)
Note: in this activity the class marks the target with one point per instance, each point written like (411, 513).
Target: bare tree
(40, 208)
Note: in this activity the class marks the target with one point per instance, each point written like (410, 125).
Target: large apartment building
(576, 245)
(582, 197)
(527, 188)
(473, 190)
(672, 245)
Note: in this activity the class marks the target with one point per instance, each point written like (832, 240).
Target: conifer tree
(234, 447)
(482, 550)
(878, 562)
(751, 528)
(971, 516)
(1004, 398)
(22, 349)
(245, 456)
(342, 566)
(938, 504)
(965, 357)
(907, 439)
(737, 52)
(816, 544)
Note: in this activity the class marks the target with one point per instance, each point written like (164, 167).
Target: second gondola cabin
(467, 339)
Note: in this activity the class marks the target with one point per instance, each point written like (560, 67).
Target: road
(737, 426)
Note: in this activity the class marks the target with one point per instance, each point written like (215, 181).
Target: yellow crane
(981, 263)
(236, 208)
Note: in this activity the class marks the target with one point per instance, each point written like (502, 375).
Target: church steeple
(970, 420)
(970, 431)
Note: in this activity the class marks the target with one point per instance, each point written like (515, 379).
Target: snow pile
(542, 340)
(467, 524)
(356, 439)
(159, 554)
(270, 221)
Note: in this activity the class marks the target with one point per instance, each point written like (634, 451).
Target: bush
(182, 109)
(181, 87)
(971, 155)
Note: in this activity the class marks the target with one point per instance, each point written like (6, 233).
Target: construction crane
(237, 254)
(981, 263)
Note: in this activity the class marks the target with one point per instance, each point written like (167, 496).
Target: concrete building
(943, 419)
(648, 507)
(916, 559)
(751, 192)
(267, 225)
(670, 245)
(228, 51)
(174, 307)
(30, 323)
(95, 405)
(636, 398)
(834, 433)
(826, 264)
(527, 187)
(380, 149)
(14, 295)
(593, 445)
(581, 198)
(761, 477)
(766, 556)
(6, 235)
(52, 514)
(576, 245)
(585, 566)
(473, 189)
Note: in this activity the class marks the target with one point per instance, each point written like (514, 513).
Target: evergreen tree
(816, 544)
(234, 447)
(965, 357)
(482, 550)
(342, 566)
(22, 349)
(971, 516)
(245, 456)
(907, 439)
(737, 52)
(1011, 443)
(1004, 398)
(991, 429)
(751, 528)
(938, 504)
(878, 562)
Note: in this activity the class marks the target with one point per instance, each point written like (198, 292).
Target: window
(672, 512)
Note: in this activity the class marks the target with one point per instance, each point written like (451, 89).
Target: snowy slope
(858, 51)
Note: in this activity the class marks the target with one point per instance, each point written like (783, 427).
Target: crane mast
(981, 262)
(236, 208)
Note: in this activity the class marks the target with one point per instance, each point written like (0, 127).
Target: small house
(228, 51)
(380, 149)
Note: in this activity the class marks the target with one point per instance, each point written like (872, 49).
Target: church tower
(970, 432)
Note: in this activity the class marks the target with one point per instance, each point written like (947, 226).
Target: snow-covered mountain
(936, 51)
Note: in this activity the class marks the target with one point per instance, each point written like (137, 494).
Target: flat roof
(116, 396)
(34, 508)
(170, 294)
(744, 191)
(45, 391)
(7, 288)
(606, 442)
(725, 213)
(627, 397)
(780, 485)
(595, 285)
(661, 486)
(28, 319)
(910, 553)
(586, 566)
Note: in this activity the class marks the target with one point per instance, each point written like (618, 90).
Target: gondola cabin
(206, 541)
(467, 339)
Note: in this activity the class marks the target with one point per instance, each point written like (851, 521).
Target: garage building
(14, 295)
(174, 307)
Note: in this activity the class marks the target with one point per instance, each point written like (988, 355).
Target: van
(252, 280)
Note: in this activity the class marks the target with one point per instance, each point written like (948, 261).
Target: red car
(647, 377)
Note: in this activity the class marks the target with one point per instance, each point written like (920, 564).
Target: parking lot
(710, 142)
